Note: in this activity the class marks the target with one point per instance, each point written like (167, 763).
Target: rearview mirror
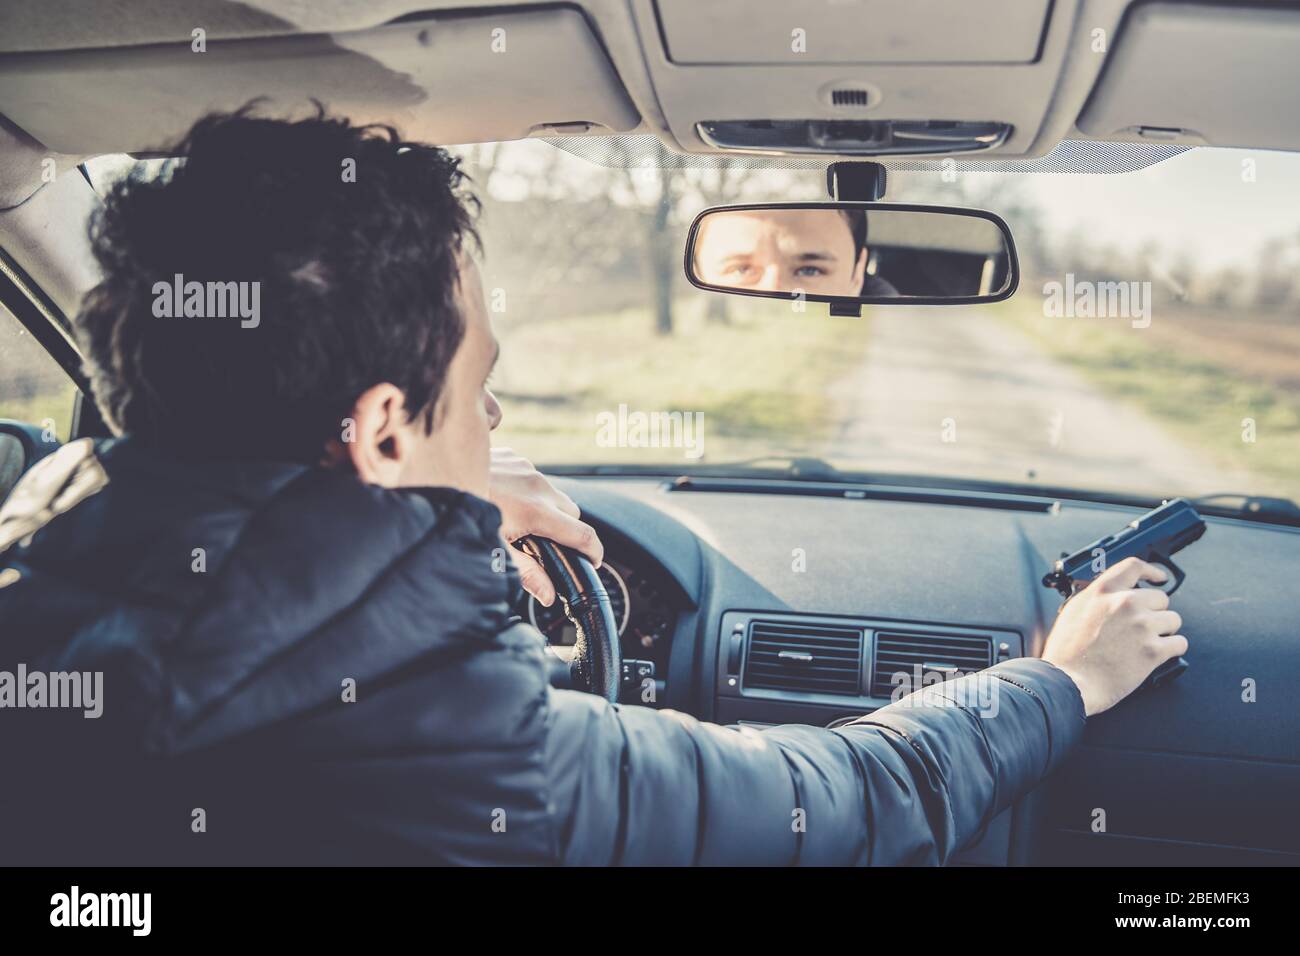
(853, 253)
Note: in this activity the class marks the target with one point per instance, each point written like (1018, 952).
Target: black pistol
(1155, 538)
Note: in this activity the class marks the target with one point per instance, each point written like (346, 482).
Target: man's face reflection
(780, 250)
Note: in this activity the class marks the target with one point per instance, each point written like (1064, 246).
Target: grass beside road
(53, 403)
(1201, 391)
(761, 380)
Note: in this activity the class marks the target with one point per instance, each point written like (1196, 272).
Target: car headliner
(124, 76)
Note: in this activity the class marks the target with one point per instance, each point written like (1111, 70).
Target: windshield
(1152, 348)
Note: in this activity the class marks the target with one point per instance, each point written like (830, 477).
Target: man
(288, 573)
(814, 251)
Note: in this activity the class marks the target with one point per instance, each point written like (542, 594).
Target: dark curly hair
(857, 222)
(358, 277)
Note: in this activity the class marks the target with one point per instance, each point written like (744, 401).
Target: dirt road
(957, 391)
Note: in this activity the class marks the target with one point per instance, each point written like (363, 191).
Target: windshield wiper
(1251, 507)
(1228, 504)
(781, 466)
(1259, 508)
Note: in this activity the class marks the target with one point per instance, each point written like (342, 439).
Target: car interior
(769, 579)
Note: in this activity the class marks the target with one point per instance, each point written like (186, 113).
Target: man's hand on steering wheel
(531, 505)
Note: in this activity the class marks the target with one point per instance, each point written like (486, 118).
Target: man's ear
(374, 440)
(860, 269)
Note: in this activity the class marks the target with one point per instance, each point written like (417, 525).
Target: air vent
(850, 97)
(945, 653)
(810, 658)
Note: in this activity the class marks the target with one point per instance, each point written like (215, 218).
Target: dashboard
(718, 576)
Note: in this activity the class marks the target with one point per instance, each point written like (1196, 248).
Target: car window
(33, 388)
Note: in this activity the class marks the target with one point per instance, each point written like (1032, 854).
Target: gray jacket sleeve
(911, 783)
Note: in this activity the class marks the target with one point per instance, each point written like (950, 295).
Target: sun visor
(26, 166)
(446, 79)
(1205, 75)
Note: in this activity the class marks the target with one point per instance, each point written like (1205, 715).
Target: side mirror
(851, 254)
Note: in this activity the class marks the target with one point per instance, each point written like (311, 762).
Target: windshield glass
(1152, 348)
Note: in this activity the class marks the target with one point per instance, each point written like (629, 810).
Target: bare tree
(1274, 273)
(654, 186)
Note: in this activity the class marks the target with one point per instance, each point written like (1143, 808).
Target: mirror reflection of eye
(739, 270)
(810, 272)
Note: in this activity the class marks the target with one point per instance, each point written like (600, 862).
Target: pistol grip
(1170, 670)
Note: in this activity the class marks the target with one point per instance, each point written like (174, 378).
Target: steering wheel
(597, 663)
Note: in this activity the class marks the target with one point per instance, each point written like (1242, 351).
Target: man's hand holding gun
(1116, 631)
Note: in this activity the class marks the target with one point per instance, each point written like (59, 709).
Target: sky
(1197, 200)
